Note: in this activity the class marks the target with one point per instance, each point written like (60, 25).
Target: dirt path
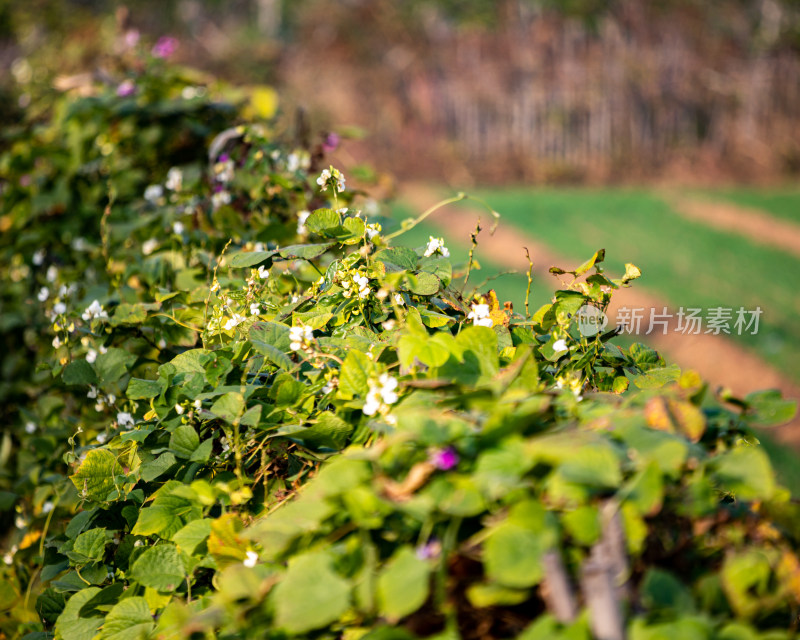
(716, 358)
(752, 223)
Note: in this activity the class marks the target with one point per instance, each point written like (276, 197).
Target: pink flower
(126, 88)
(165, 47)
(444, 459)
(131, 38)
(330, 143)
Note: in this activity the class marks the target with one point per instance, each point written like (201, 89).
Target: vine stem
(456, 198)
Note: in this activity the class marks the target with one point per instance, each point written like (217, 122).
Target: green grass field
(781, 202)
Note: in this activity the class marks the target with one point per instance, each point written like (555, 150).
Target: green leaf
(354, 231)
(329, 431)
(656, 378)
(229, 406)
(403, 585)
(423, 283)
(159, 567)
(91, 544)
(190, 361)
(433, 351)
(304, 251)
(139, 389)
(769, 409)
(70, 626)
(151, 470)
(324, 222)
(127, 313)
(94, 478)
(310, 581)
(354, 375)
(192, 535)
(203, 452)
(79, 372)
(250, 258)
(274, 334)
(512, 556)
(598, 257)
(493, 595)
(183, 441)
(397, 258)
(746, 472)
(129, 619)
(662, 591)
(113, 364)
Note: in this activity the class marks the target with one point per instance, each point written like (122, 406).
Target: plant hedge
(235, 408)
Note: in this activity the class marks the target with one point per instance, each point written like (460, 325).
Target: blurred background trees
(476, 90)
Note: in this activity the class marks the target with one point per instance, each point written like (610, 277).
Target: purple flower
(126, 88)
(165, 47)
(223, 158)
(430, 550)
(444, 459)
(330, 143)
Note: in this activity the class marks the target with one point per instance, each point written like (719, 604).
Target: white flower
(59, 308)
(56, 342)
(179, 409)
(330, 385)
(300, 337)
(250, 560)
(47, 507)
(263, 272)
(363, 286)
(30, 427)
(80, 244)
(436, 245)
(214, 286)
(91, 356)
(224, 171)
(560, 345)
(398, 299)
(174, 179)
(388, 325)
(373, 230)
(92, 392)
(302, 216)
(480, 315)
(43, 294)
(220, 198)
(111, 398)
(67, 290)
(102, 349)
(380, 395)
(198, 404)
(255, 309)
(94, 311)
(38, 257)
(148, 246)
(331, 175)
(153, 193)
(52, 273)
(125, 419)
(324, 177)
(177, 228)
(294, 299)
(101, 438)
(235, 321)
(388, 386)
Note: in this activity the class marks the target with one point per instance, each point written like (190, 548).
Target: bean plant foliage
(254, 413)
